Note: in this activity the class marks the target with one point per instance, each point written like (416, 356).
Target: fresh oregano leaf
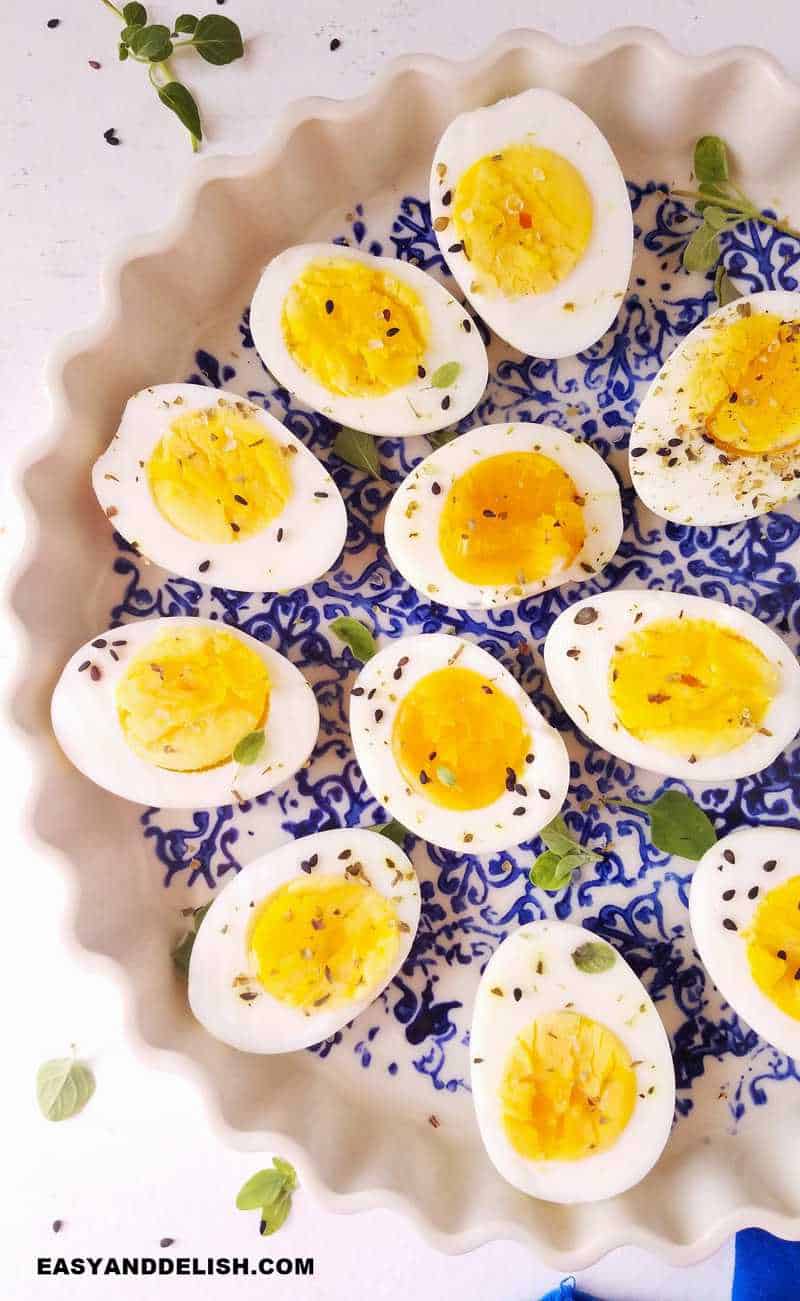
(63, 1087)
(552, 871)
(287, 1170)
(703, 250)
(711, 160)
(556, 836)
(183, 950)
(445, 775)
(724, 288)
(152, 42)
(715, 217)
(678, 826)
(127, 34)
(356, 635)
(250, 748)
(446, 374)
(439, 437)
(122, 51)
(182, 102)
(594, 957)
(359, 450)
(218, 40)
(394, 831)
(260, 1189)
(274, 1215)
(135, 15)
(185, 23)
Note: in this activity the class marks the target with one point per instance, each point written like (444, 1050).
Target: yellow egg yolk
(691, 686)
(458, 740)
(744, 385)
(323, 942)
(773, 946)
(511, 519)
(190, 696)
(568, 1089)
(524, 216)
(217, 476)
(359, 331)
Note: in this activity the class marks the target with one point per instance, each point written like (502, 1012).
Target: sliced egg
(572, 1077)
(372, 342)
(717, 437)
(680, 685)
(154, 711)
(501, 513)
(452, 746)
(744, 909)
(532, 214)
(213, 488)
(303, 940)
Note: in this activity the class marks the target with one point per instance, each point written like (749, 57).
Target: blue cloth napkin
(766, 1269)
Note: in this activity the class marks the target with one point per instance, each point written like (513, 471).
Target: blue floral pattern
(634, 896)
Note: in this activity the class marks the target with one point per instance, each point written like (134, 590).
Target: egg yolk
(745, 384)
(511, 519)
(189, 697)
(217, 476)
(323, 942)
(524, 216)
(360, 331)
(691, 687)
(458, 740)
(568, 1089)
(773, 946)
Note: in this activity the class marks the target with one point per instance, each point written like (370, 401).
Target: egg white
(415, 408)
(411, 526)
(577, 311)
(374, 702)
(618, 1000)
(737, 863)
(296, 547)
(685, 481)
(221, 950)
(87, 727)
(581, 681)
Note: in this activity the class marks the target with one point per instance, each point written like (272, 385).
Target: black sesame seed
(320, 494)
(529, 758)
(445, 402)
(52, 23)
(520, 790)
(235, 527)
(518, 811)
(279, 535)
(728, 895)
(752, 892)
(371, 692)
(84, 666)
(770, 865)
(94, 673)
(456, 248)
(797, 974)
(467, 324)
(357, 691)
(781, 954)
(423, 777)
(436, 488)
(119, 642)
(204, 566)
(587, 615)
(329, 306)
(58, 1226)
(110, 136)
(241, 500)
(392, 331)
(544, 794)
(335, 43)
(113, 654)
(729, 924)
(638, 451)
(346, 853)
(100, 643)
(447, 198)
(166, 1242)
(378, 715)
(517, 994)
(421, 372)
(729, 856)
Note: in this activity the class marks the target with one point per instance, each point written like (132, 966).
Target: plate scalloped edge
(560, 1249)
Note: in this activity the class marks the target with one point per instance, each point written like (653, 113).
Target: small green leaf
(63, 1087)
(151, 42)
(250, 748)
(445, 775)
(440, 437)
(594, 957)
(678, 826)
(715, 217)
(176, 97)
(552, 871)
(724, 288)
(260, 1189)
(122, 51)
(556, 836)
(183, 951)
(359, 450)
(185, 23)
(711, 159)
(218, 39)
(446, 374)
(703, 250)
(274, 1215)
(287, 1170)
(356, 635)
(135, 15)
(394, 831)
(127, 34)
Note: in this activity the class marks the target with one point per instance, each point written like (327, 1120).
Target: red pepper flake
(525, 220)
(434, 1121)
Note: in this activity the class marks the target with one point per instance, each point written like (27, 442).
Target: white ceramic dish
(363, 1135)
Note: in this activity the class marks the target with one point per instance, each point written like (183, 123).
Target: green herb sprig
(722, 206)
(270, 1192)
(356, 635)
(64, 1085)
(564, 855)
(677, 825)
(359, 450)
(593, 957)
(251, 747)
(215, 38)
(394, 831)
(183, 951)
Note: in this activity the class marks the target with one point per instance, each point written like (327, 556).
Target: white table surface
(144, 1160)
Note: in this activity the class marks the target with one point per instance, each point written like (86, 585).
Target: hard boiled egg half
(717, 437)
(572, 1078)
(302, 940)
(372, 342)
(680, 685)
(532, 214)
(183, 713)
(452, 746)
(211, 487)
(744, 909)
(501, 513)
